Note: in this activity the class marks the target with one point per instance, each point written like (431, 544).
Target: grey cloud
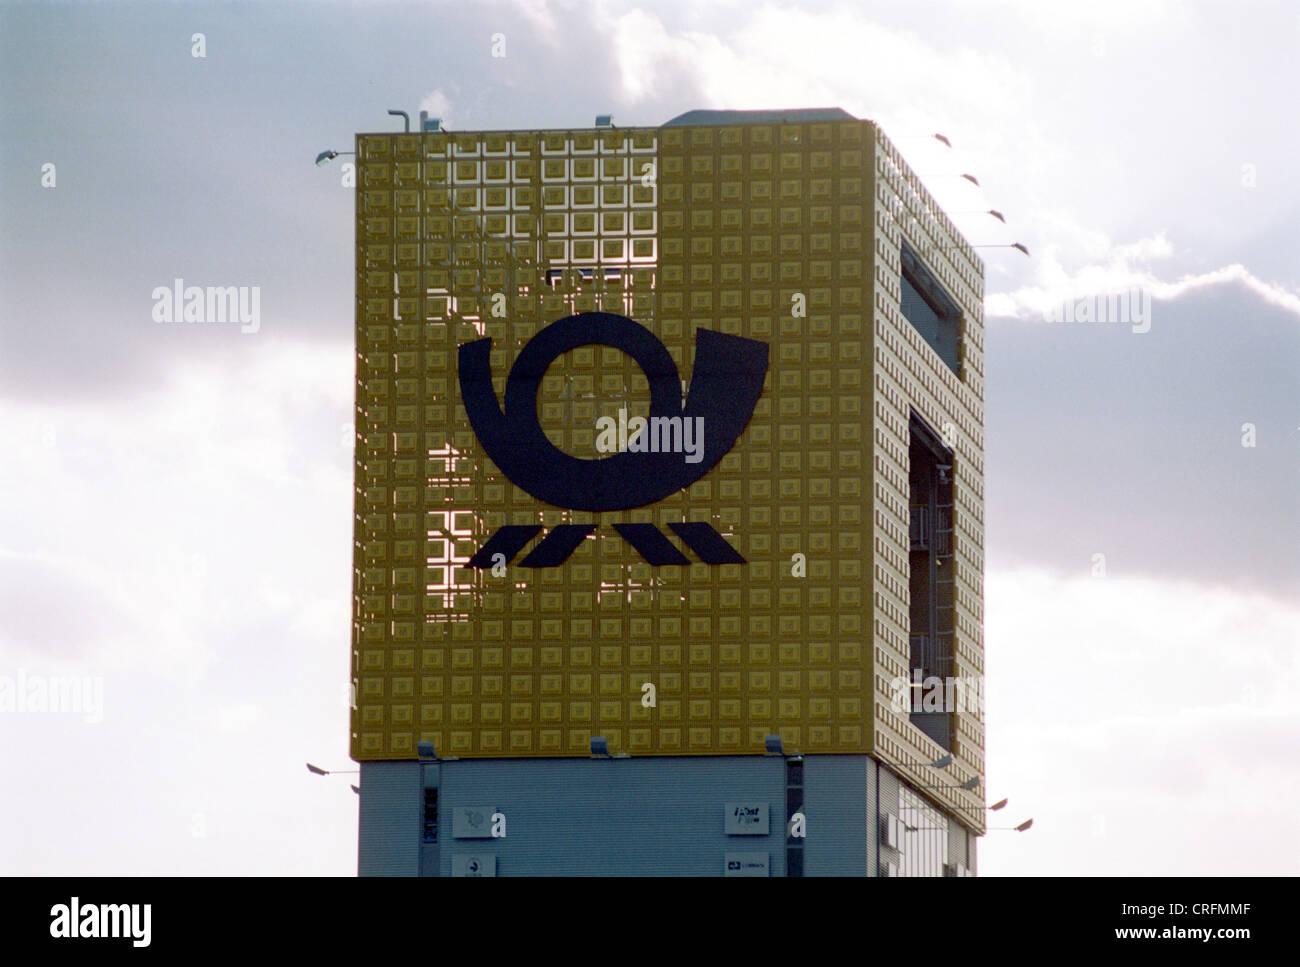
(1100, 440)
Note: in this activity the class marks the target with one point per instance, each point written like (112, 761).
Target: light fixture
(325, 157)
(426, 750)
(943, 762)
(1015, 245)
(952, 174)
(917, 137)
(944, 248)
(969, 785)
(983, 211)
(317, 770)
(1018, 829)
(1000, 804)
(599, 746)
(773, 746)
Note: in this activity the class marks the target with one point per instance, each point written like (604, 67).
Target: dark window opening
(933, 581)
(931, 311)
(431, 815)
(794, 861)
(793, 807)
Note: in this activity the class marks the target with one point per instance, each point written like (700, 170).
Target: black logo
(726, 383)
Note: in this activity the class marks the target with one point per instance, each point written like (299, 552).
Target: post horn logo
(725, 386)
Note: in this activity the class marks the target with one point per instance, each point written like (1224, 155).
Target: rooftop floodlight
(1000, 804)
(357, 790)
(983, 211)
(1024, 826)
(972, 179)
(942, 139)
(426, 750)
(943, 762)
(318, 771)
(325, 157)
(971, 783)
(1015, 245)
(604, 120)
(599, 746)
(773, 745)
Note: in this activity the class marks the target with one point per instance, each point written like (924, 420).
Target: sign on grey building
(472, 822)
(746, 819)
(474, 865)
(745, 864)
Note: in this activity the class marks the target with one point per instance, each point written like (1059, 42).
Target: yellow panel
(780, 233)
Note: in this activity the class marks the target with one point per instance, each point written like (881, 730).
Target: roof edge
(793, 116)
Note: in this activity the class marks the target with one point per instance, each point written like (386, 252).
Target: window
(430, 815)
(932, 616)
(930, 310)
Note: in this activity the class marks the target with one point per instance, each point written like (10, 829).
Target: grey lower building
(773, 815)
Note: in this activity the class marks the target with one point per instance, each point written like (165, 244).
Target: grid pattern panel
(910, 375)
(727, 228)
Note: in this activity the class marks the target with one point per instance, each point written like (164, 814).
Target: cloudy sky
(175, 501)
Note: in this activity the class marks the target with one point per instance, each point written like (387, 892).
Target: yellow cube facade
(787, 234)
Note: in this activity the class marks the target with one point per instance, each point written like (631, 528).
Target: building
(747, 645)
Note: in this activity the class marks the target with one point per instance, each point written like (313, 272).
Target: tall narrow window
(931, 311)
(933, 587)
(430, 815)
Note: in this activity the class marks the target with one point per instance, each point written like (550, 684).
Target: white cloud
(180, 513)
(438, 105)
(191, 547)
(650, 58)
(784, 57)
(1123, 268)
(1133, 717)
